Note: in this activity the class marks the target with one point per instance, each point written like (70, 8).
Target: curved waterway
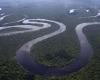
(23, 54)
(24, 57)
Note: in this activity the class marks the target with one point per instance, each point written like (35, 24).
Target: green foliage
(65, 44)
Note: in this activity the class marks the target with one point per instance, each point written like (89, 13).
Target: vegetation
(61, 49)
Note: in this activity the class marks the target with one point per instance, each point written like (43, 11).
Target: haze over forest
(66, 2)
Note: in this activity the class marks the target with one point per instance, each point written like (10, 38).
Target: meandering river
(25, 59)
